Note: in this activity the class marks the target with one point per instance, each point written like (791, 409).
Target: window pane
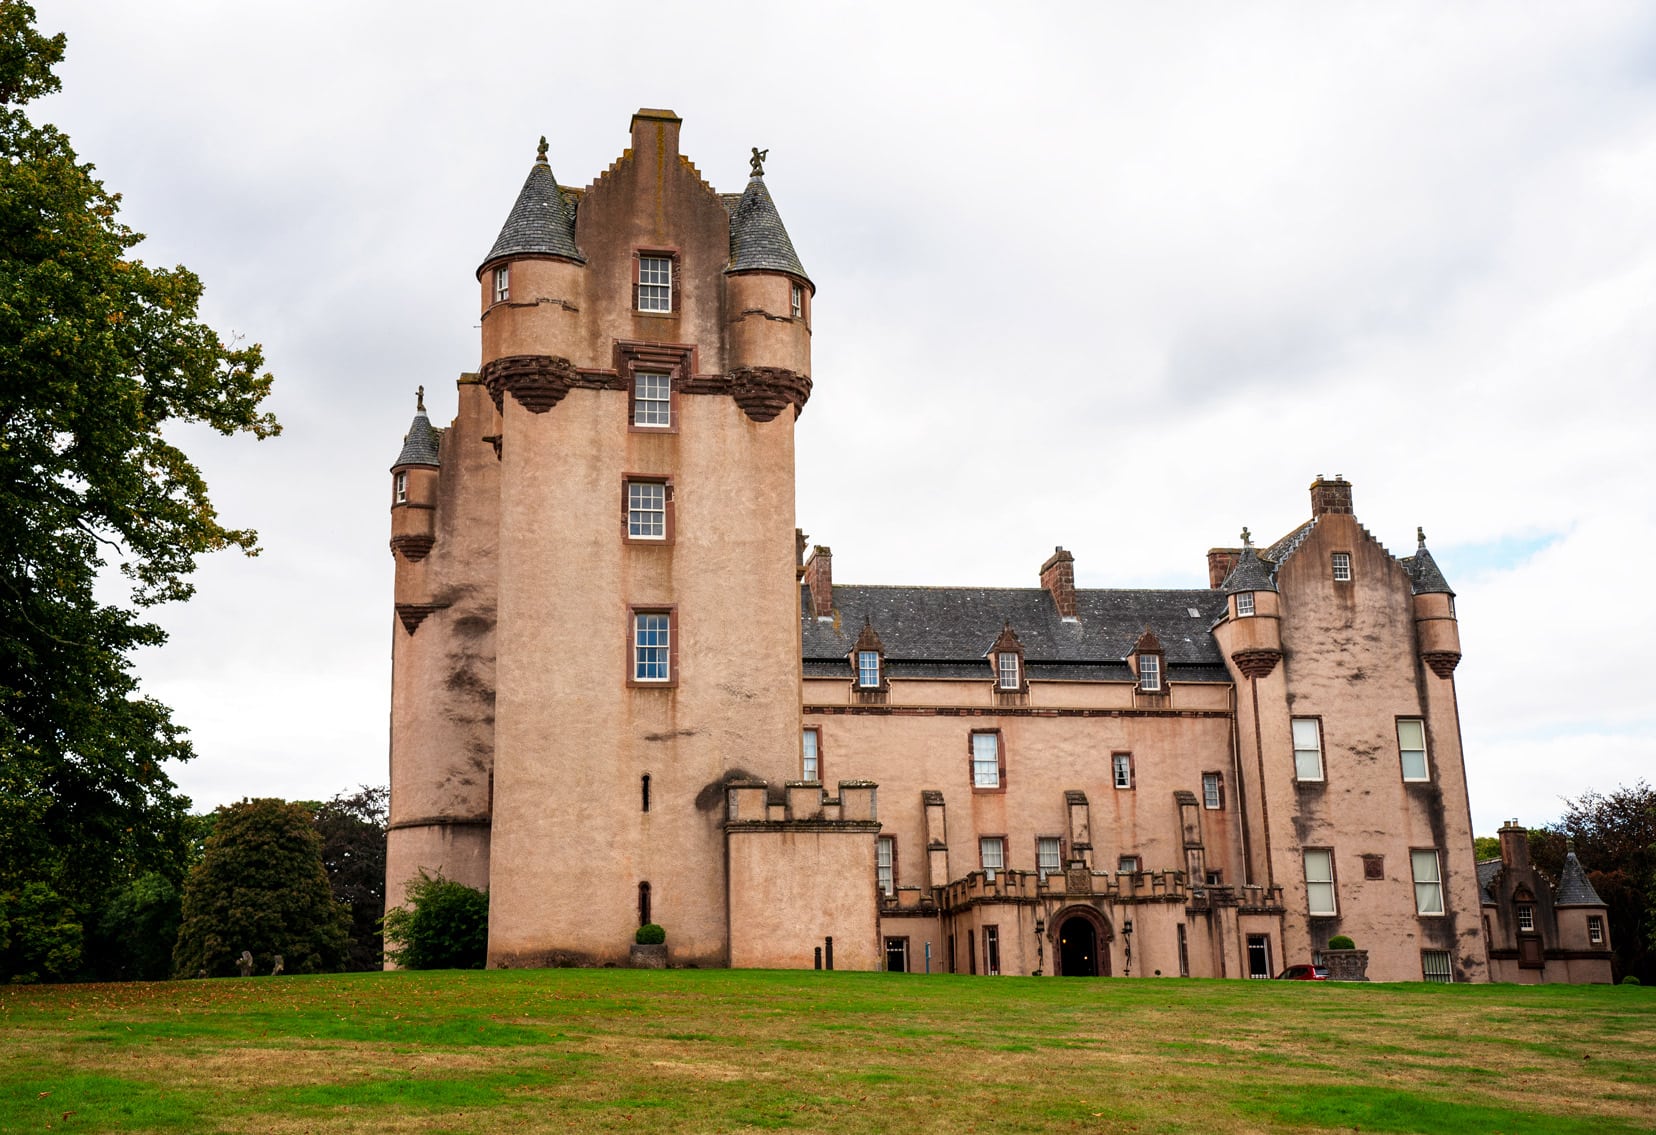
(1212, 791)
(1244, 603)
(809, 766)
(1307, 749)
(993, 853)
(1427, 884)
(1122, 765)
(985, 760)
(646, 510)
(883, 847)
(1411, 743)
(1319, 882)
(650, 648)
(652, 400)
(1047, 855)
(868, 668)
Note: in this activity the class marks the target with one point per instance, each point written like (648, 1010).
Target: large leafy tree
(260, 886)
(1615, 839)
(100, 357)
(352, 827)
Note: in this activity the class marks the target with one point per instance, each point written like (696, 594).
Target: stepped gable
(542, 220)
(942, 632)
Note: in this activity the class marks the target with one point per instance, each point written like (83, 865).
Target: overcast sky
(1120, 277)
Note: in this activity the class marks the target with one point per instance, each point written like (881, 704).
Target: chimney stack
(655, 136)
(1330, 496)
(819, 577)
(1220, 563)
(1515, 854)
(1058, 577)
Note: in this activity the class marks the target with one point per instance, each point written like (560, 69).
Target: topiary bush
(445, 925)
(650, 935)
(1341, 942)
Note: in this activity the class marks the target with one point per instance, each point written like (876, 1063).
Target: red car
(1304, 973)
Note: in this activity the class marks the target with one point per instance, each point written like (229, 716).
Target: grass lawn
(648, 1051)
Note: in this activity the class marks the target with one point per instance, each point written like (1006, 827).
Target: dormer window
(402, 488)
(796, 300)
(502, 284)
(868, 669)
(655, 283)
(1009, 673)
(1147, 661)
(1342, 567)
(1244, 604)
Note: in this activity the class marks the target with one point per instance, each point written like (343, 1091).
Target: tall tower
(628, 449)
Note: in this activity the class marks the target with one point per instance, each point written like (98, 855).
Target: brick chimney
(1058, 577)
(1330, 496)
(819, 577)
(1514, 846)
(1220, 563)
(655, 136)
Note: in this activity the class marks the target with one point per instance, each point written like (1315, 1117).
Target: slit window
(644, 792)
(991, 950)
(643, 904)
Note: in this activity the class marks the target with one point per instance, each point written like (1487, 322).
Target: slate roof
(948, 631)
(542, 220)
(1574, 889)
(419, 443)
(1488, 871)
(1249, 574)
(1285, 547)
(1423, 570)
(758, 241)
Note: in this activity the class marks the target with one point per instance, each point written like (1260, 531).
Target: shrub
(444, 925)
(650, 935)
(1341, 942)
(1630, 980)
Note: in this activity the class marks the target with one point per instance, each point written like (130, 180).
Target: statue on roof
(540, 151)
(419, 400)
(757, 161)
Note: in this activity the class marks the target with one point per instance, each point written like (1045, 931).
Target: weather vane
(757, 161)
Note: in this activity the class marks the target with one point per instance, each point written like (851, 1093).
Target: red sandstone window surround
(647, 512)
(988, 756)
(992, 854)
(653, 646)
(1049, 855)
(650, 399)
(1121, 770)
(655, 281)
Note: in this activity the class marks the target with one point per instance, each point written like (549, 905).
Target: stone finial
(1247, 538)
(540, 151)
(1420, 536)
(419, 400)
(757, 162)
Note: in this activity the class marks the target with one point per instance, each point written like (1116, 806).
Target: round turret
(414, 489)
(768, 298)
(1436, 630)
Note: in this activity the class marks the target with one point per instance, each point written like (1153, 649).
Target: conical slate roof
(1424, 571)
(758, 242)
(1574, 889)
(1249, 574)
(542, 221)
(420, 443)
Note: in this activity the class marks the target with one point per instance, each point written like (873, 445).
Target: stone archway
(1080, 943)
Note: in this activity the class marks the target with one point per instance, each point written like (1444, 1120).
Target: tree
(101, 357)
(261, 887)
(1615, 839)
(445, 925)
(352, 827)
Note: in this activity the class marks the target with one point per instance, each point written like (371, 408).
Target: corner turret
(769, 300)
(414, 487)
(533, 280)
(1254, 608)
(1434, 612)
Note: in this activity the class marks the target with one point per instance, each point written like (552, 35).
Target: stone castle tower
(595, 565)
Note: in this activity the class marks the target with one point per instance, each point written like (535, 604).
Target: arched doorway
(1080, 943)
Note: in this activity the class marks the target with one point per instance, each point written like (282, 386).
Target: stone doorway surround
(1079, 957)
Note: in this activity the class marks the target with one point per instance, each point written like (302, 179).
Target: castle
(624, 691)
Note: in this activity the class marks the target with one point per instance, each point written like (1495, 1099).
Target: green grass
(690, 1051)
